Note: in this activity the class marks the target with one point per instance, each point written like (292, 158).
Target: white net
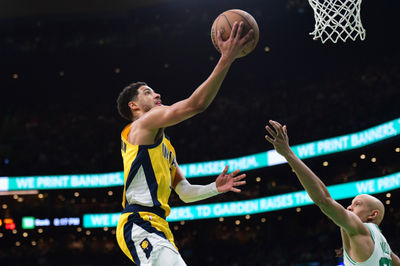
(337, 19)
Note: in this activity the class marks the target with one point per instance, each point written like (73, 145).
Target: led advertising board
(260, 205)
(192, 170)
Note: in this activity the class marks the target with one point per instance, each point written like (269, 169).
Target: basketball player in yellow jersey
(363, 242)
(150, 166)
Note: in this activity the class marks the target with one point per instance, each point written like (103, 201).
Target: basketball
(224, 23)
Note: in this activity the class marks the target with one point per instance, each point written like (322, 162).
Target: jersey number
(385, 262)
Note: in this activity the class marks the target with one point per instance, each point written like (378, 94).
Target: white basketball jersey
(381, 254)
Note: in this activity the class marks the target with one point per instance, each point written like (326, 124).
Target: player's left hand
(234, 45)
(279, 137)
(228, 182)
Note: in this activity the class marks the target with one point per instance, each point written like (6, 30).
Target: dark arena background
(63, 64)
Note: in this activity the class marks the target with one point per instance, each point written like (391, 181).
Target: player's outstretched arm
(315, 188)
(224, 183)
(201, 98)
(395, 259)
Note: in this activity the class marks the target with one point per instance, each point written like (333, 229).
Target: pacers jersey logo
(147, 247)
(168, 155)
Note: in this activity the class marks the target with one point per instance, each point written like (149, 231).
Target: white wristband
(191, 193)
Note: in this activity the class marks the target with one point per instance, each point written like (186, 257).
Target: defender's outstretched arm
(395, 259)
(315, 188)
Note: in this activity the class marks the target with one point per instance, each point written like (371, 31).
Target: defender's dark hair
(129, 93)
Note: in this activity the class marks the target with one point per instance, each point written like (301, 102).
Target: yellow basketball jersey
(149, 171)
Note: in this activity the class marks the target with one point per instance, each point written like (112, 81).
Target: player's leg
(124, 238)
(168, 256)
(143, 243)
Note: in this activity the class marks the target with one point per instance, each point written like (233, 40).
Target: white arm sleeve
(191, 193)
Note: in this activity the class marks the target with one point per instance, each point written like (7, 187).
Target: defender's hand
(229, 182)
(279, 138)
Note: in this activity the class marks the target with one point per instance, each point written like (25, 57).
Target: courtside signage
(65, 181)
(303, 151)
(261, 205)
(100, 220)
(30, 222)
(250, 162)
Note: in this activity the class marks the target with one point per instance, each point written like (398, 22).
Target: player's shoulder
(125, 131)
(355, 226)
(150, 115)
(139, 134)
(373, 228)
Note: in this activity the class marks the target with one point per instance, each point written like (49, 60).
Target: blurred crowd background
(60, 76)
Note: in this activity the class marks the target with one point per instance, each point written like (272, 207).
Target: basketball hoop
(337, 19)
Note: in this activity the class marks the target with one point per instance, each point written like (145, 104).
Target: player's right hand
(233, 46)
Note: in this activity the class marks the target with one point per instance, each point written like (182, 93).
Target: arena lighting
(9, 224)
(250, 162)
(260, 205)
(8, 220)
(28, 222)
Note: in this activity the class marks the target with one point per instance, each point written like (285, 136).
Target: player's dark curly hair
(129, 93)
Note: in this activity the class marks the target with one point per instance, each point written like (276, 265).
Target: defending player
(363, 242)
(150, 167)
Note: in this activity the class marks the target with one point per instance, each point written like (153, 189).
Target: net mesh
(337, 20)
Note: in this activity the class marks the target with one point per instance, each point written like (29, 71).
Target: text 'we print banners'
(62, 182)
(95, 220)
(303, 151)
(261, 205)
(245, 163)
